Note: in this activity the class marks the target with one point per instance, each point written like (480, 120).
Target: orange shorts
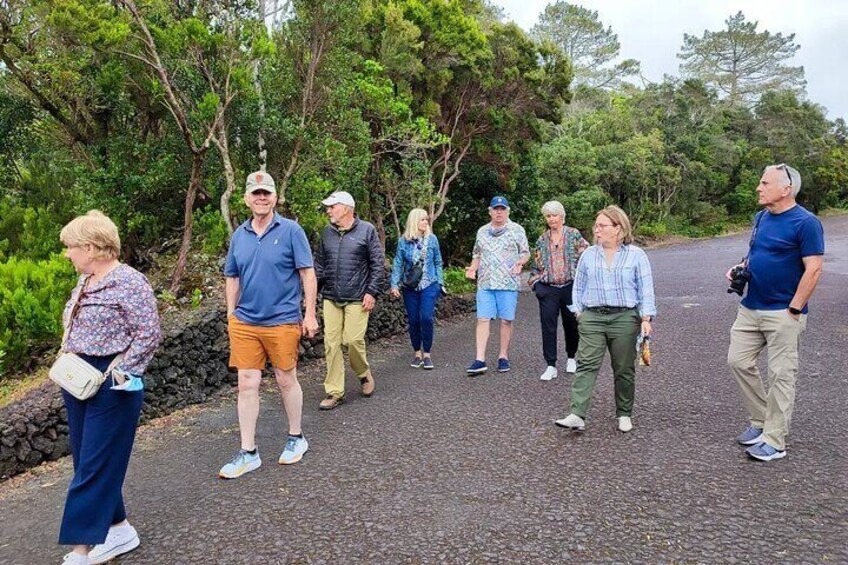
(251, 346)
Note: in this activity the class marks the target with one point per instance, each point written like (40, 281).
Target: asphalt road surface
(438, 467)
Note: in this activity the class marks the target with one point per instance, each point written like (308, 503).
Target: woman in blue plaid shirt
(613, 300)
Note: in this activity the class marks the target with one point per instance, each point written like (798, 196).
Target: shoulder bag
(77, 377)
(416, 272)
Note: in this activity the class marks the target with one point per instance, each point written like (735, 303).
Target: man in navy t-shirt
(785, 262)
(269, 267)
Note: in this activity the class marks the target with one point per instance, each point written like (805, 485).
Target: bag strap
(759, 217)
(73, 314)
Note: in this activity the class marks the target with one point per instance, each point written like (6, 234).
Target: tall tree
(742, 62)
(590, 47)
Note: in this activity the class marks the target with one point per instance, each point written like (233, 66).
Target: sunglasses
(785, 169)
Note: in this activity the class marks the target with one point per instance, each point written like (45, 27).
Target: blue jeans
(101, 433)
(421, 312)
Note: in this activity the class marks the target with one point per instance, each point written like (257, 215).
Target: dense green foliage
(155, 112)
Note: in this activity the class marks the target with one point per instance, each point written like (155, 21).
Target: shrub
(32, 297)
(211, 231)
(456, 282)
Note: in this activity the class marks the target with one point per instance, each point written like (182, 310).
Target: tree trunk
(257, 85)
(191, 194)
(223, 146)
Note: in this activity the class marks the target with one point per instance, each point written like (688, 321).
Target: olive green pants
(344, 327)
(599, 333)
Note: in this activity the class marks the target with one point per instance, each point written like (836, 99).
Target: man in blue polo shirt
(785, 262)
(268, 263)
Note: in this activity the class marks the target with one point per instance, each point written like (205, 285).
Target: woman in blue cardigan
(417, 271)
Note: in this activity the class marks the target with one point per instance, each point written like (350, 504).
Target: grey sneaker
(751, 436)
(427, 363)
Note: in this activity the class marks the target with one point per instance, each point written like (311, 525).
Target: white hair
(791, 175)
(553, 207)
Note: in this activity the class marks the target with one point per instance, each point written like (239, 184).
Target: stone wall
(190, 366)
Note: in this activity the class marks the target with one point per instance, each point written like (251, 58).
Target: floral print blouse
(557, 264)
(116, 314)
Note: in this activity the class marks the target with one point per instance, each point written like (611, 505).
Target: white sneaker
(75, 559)
(625, 424)
(572, 421)
(550, 373)
(571, 366)
(119, 540)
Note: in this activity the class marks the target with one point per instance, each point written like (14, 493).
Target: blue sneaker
(751, 436)
(294, 450)
(764, 452)
(416, 362)
(241, 463)
(503, 365)
(477, 367)
(427, 363)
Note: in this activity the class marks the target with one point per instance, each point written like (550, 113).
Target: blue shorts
(497, 304)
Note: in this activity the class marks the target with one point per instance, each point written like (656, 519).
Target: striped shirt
(628, 283)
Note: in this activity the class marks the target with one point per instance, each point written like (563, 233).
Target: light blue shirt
(628, 283)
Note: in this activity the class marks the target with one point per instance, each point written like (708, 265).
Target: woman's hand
(395, 293)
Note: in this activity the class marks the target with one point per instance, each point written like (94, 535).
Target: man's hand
(516, 269)
(793, 316)
(309, 327)
(368, 302)
(470, 273)
(646, 328)
(395, 293)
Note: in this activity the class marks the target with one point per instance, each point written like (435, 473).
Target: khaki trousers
(344, 327)
(777, 331)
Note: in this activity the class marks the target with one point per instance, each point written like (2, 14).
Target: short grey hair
(553, 207)
(792, 177)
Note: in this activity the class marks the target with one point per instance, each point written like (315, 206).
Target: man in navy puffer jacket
(350, 265)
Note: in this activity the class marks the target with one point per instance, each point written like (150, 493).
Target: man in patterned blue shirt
(500, 252)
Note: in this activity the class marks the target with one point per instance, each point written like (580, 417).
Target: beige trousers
(780, 333)
(344, 327)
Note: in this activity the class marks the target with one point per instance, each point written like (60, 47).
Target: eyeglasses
(785, 169)
(602, 226)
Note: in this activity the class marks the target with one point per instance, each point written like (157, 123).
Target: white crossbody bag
(72, 373)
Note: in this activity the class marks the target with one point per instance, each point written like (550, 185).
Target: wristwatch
(794, 311)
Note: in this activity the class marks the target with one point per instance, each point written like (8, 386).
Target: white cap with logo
(340, 197)
(260, 180)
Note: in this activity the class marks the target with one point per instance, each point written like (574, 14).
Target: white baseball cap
(340, 197)
(260, 180)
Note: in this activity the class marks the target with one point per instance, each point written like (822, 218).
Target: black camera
(739, 277)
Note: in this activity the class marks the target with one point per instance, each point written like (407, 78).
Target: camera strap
(759, 217)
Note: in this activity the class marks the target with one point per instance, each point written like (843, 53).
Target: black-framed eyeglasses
(785, 169)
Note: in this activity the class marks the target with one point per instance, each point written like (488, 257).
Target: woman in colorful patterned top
(418, 251)
(613, 299)
(551, 277)
(112, 312)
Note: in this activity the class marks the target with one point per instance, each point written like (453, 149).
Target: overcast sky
(652, 32)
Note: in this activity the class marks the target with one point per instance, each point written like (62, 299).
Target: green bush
(32, 297)
(456, 282)
(211, 231)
